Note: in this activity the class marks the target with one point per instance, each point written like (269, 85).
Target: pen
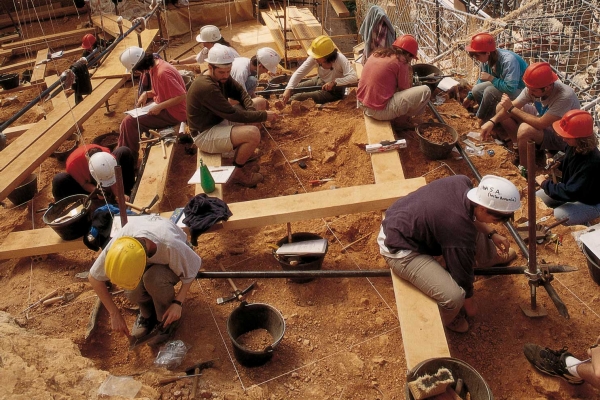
(216, 170)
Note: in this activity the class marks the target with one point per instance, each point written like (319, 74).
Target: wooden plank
(277, 34)
(34, 16)
(420, 322)
(108, 23)
(340, 8)
(34, 155)
(304, 26)
(9, 38)
(17, 66)
(212, 160)
(247, 214)
(44, 40)
(154, 178)
(14, 131)
(60, 100)
(112, 67)
(26, 86)
(39, 70)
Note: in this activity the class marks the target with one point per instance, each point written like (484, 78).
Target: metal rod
(120, 192)
(367, 273)
(532, 262)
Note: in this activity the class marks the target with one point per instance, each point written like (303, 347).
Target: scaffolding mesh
(565, 33)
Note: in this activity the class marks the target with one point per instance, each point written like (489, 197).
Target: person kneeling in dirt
(168, 94)
(385, 91)
(334, 72)
(147, 258)
(246, 71)
(448, 217)
(91, 165)
(501, 72)
(530, 116)
(563, 364)
(216, 125)
(574, 197)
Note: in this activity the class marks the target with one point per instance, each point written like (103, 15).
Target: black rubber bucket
(25, 191)
(436, 151)
(9, 81)
(70, 217)
(473, 381)
(593, 264)
(248, 317)
(305, 263)
(108, 140)
(65, 149)
(422, 70)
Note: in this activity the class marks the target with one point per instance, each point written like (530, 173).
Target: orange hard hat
(407, 43)
(481, 43)
(539, 75)
(88, 41)
(575, 124)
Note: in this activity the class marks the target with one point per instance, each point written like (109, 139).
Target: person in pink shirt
(168, 94)
(385, 90)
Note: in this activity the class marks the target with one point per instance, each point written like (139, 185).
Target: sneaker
(242, 178)
(458, 324)
(143, 326)
(551, 362)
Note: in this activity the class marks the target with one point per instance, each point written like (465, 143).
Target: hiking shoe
(231, 154)
(143, 326)
(458, 324)
(242, 178)
(550, 362)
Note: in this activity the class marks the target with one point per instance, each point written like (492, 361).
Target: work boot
(143, 326)
(231, 154)
(458, 324)
(246, 179)
(165, 333)
(551, 362)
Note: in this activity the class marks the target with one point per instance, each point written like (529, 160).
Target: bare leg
(526, 133)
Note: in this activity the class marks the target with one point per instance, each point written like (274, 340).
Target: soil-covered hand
(117, 323)
(172, 314)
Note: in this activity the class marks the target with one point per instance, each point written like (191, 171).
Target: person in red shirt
(385, 90)
(168, 93)
(78, 180)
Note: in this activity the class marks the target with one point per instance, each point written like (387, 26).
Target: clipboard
(220, 174)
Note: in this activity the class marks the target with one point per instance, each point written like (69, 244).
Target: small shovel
(68, 296)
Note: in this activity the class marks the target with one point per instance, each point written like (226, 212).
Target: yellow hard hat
(125, 262)
(321, 47)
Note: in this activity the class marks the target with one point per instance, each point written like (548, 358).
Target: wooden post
(118, 186)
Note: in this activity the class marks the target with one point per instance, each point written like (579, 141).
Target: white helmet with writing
(496, 193)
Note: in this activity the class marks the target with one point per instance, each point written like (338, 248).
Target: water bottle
(206, 180)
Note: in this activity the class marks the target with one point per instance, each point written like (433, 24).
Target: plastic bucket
(68, 146)
(593, 264)
(108, 140)
(422, 70)
(248, 317)
(69, 217)
(305, 263)
(9, 81)
(25, 191)
(436, 151)
(473, 381)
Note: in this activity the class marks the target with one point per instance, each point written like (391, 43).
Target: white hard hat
(209, 34)
(131, 57)
(496, 193)
(220, 55)
(102, 167)
(268, 58)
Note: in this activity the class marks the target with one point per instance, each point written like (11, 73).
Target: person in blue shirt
(501, 72)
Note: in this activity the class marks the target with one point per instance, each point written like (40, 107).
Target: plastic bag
(124, 386)
(171, 354)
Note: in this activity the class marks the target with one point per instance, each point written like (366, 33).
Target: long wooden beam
(43, 40)
(247, 214)
(43, 15)
(108, 23)
(420, 322)
(112, 67)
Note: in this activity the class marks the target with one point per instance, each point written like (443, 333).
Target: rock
(236, 251)
(328, 156)
(306, 342)
(230, 396)
(364, 302)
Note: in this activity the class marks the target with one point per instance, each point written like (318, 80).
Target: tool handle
(131, 205)
(169, 380)
(49, 295)
(51, 301)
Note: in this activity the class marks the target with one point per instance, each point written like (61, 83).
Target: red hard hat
(482, 43)
(539, 75)
(407, 43)
(88, 41)
(575, 124)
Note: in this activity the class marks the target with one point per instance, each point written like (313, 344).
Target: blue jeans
(488, 97)
(578, 213)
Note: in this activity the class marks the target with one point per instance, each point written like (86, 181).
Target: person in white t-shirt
(246, 71)
(208, 36)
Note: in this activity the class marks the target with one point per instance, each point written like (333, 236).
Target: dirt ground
(342, 337)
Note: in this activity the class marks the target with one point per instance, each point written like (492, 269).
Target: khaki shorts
(216, 139)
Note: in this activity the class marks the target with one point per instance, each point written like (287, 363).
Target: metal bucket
(248, 317)
(422, 70)
(473, 381)
(70, 217)
(436, 151)
(25, 191)
(305, 263)
(592, 262)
